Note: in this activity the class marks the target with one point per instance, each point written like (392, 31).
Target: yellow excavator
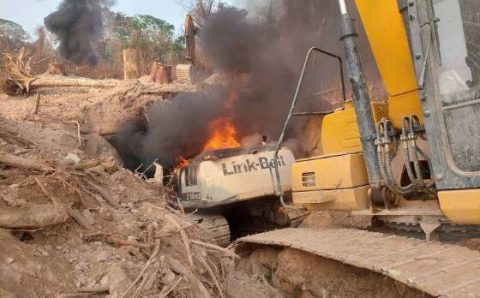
(411, 162)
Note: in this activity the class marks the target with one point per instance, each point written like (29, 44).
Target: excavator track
(435, 268)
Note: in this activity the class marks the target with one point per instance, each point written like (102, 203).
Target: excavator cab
(451, 104)
(412, 162)
(415, 157)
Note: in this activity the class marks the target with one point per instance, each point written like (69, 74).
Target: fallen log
(76, 82)
(12, 87)
(63, 81)
(23, 163)
(19, 80)
(33, 216)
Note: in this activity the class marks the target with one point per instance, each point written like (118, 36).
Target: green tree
(155, 38)
(12, 36)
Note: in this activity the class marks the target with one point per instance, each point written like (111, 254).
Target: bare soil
(300, 274)
(99, 111)
(115, 234)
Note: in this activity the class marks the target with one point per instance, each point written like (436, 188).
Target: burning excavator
(411, 163)
(232, 185)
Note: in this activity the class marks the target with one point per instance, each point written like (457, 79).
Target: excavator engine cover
(331, 182)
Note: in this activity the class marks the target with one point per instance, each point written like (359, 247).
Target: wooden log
(37, 104)
(81, 220)
(23, 163)
(13, 88)
(130, 64)
(33, 216)
(161, 73)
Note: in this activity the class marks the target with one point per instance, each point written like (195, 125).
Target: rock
(118, 281)
(89, 216)
(72, 158)
(14, 186)
(103, 256)
(9, 260)
(81, 266)
(105, 213)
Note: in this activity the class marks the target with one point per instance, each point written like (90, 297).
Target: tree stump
(161, 73)
(190, 32)
(183, 73)
(130, 64)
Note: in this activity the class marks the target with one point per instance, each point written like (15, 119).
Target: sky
(30, 13)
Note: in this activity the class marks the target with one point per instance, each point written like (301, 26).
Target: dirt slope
(109, 231)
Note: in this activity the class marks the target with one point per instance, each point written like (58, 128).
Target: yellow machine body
(461, 206)
(338, 179)
(331, 182)
(388, 40)
(340, 130)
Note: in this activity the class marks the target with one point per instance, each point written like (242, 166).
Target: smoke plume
(258, 54)
(174, 132)
(79, 25)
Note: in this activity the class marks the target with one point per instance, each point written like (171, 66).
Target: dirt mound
(75, 223)
(98, 111)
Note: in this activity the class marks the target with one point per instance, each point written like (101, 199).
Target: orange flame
(222, 134)
(183, 162)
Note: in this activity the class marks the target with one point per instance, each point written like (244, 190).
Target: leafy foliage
(148, 34)
(12, 35)
(155, 39)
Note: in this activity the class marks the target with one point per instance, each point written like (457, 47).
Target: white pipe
(343, 7)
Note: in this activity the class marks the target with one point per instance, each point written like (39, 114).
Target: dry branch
(212, 274)
(81, 220)
(112, 200)
(147, 264)
(37, 104)
(12, 138)
(216, 247)
(185, 238)
(23, 163)
(197, 287)
(33, 216)
(116, 240)
(85, 292)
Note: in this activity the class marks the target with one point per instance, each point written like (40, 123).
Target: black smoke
(259, 54)
(78, 25)
(176, 130)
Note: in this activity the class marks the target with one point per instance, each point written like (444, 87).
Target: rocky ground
(75, 223)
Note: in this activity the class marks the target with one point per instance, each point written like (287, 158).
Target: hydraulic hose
(413, 120)
(406, 152)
